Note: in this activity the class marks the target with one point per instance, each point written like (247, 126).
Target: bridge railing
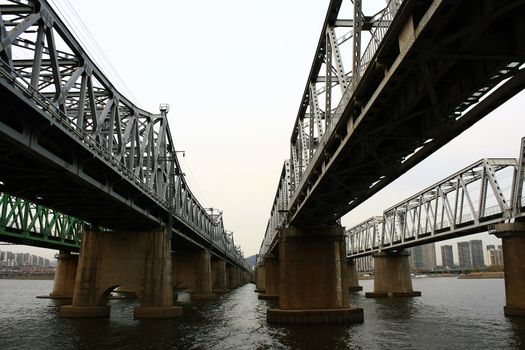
(468, 201)
(328, 89)
(278, 213)
(41, 58)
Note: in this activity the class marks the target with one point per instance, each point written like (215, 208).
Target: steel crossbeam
(469, 201)
(44, 68)
(372, 110)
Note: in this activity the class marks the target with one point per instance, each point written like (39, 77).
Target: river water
(451, 314)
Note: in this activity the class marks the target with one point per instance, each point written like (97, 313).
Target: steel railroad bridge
(385, 90)
(472, 200)
(74, 149)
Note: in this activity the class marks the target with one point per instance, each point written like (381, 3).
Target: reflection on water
(451, 314)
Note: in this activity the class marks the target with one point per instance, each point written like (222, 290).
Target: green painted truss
(23, 222)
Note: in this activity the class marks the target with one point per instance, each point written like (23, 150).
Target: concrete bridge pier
(392, 275)
(313, 278)
(513, 238)
(235, 276)
(353, 281)
(272, 278)
(218, 273)
(192, 270)
(230, 276)
(65, 274)
(139, 260)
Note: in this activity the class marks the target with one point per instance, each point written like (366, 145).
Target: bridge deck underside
(43, 164)
(462, 51)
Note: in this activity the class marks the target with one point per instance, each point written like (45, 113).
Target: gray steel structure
(430, 70)
(70, 141)
(470, 201)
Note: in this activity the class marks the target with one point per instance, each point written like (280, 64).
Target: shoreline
(481, 275)
(27, 276)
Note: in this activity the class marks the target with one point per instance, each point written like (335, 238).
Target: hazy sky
(233, 72)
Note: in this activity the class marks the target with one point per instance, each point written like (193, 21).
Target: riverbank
(480, 275)
(26, 276)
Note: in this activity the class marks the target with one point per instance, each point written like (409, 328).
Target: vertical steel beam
(356, 39)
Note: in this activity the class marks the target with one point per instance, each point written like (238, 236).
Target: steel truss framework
(469, 201)
(371, 111)
(31, 224)
(43, 65)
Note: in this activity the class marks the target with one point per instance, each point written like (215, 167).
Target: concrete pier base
(218, 275)
(139, 260)
(192, 270)
(353, 281)
(65, 274)
(232, 277)
(266, 296)
(272, 278)
(220, 291)
(313, 278)
(513, 239)
(392, 276)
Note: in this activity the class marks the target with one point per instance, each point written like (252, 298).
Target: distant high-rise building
(447, 258)
(464, 255)
(476, 253)
(471, 254)
(423, 257)
(495, 257)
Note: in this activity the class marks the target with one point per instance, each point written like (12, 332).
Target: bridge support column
(313, 281)
(218, 272)
(229, 276)
(139, 260)
(236, 277)
(353, 281)
(513, 237)
(273, 278)
(192, 269)
(392, 276)
(232, 273)
(65, 274)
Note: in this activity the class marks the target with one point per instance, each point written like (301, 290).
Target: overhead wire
(86, 39)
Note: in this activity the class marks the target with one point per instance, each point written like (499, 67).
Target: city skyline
(19, 259)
